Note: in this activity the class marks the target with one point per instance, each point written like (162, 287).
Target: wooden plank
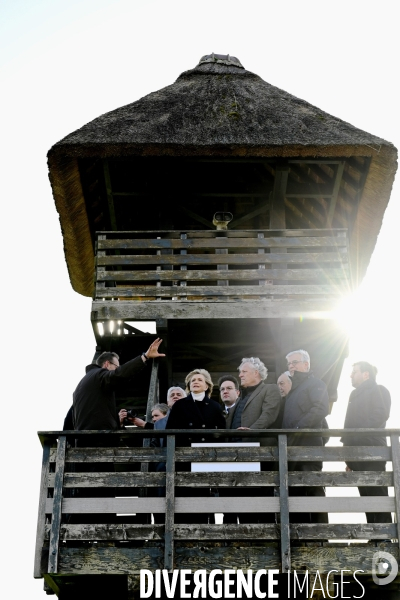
(169, 505)
(332, 275)
(250, 290)
(214, 259)
(41, 520)
(296, 478)
(102, 561)
(127, 560)
(56, 509)
(170, 309)
(128, 532)
(394, 442)
(109, 532)
(221, 243)
(264, 453)
(203, 233)
(232, 505)
(114, 480)
(284, 504)
(117, 455)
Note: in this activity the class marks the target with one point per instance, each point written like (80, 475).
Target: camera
(130, 414)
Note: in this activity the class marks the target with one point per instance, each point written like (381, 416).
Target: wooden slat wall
(56, 499)
(309, 263)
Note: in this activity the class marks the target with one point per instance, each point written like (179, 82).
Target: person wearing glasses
(94, 405)
(307, 405)
(229, 392)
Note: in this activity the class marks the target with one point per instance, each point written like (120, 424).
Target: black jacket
(189, 414)
(94, 404)
(306, 406)
(368, 408)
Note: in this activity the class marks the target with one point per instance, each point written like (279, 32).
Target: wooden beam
(109, 192)
(196, 217)
(56, 508)
(128, 560)
(169, 505)
(277, 218)
(284, 504)
(41, 520)
(394, 442)
(258, 211)
(335, 193)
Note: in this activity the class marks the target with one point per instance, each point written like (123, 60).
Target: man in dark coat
(258, 408)
(94, 405)
(307, 404)
(368, 408)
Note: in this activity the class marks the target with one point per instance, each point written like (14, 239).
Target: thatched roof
(216, 109)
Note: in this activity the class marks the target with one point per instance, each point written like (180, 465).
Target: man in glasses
(94, 405)
(307, 405)
(229, 392)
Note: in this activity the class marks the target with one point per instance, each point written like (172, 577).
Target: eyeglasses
(111, 363)
(294, 362)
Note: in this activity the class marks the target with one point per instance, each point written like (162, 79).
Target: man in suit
(258, 408)
(229, 392)
(368, 408)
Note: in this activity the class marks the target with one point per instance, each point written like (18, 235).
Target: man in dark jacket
(368, 408)
(94, 404)
(307, 404)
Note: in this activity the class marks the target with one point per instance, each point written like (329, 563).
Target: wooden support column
(151, 400)
(222, 267)
(277, 219)
(394, 442)
(284, 504)
(41, 522)
(170, 505)
(57, 505)
(165, 365)
(335, 193)
(110, 197)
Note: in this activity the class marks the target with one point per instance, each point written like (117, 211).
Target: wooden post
(284, 504)
(169, 505)
(57, 505)
(394, 442)
(41, 522)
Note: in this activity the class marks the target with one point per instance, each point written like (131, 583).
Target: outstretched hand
(152, 352)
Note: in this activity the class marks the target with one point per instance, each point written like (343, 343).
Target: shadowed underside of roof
(218, 109)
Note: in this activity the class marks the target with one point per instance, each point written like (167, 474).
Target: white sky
(65, 63)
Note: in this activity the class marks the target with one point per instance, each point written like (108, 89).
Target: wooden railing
(88, 494)
(222, 265)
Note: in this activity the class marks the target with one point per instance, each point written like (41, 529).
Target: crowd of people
(298, 401)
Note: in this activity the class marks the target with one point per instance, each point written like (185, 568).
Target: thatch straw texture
(216, 110)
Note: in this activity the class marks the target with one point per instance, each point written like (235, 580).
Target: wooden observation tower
(237, 218)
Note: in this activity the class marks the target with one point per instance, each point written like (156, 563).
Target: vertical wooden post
(284, 503)
(169, 505)
(153, 389)
(222, 267)
(57, 505)
(41, 522)
(183, 267)
(394, 442)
